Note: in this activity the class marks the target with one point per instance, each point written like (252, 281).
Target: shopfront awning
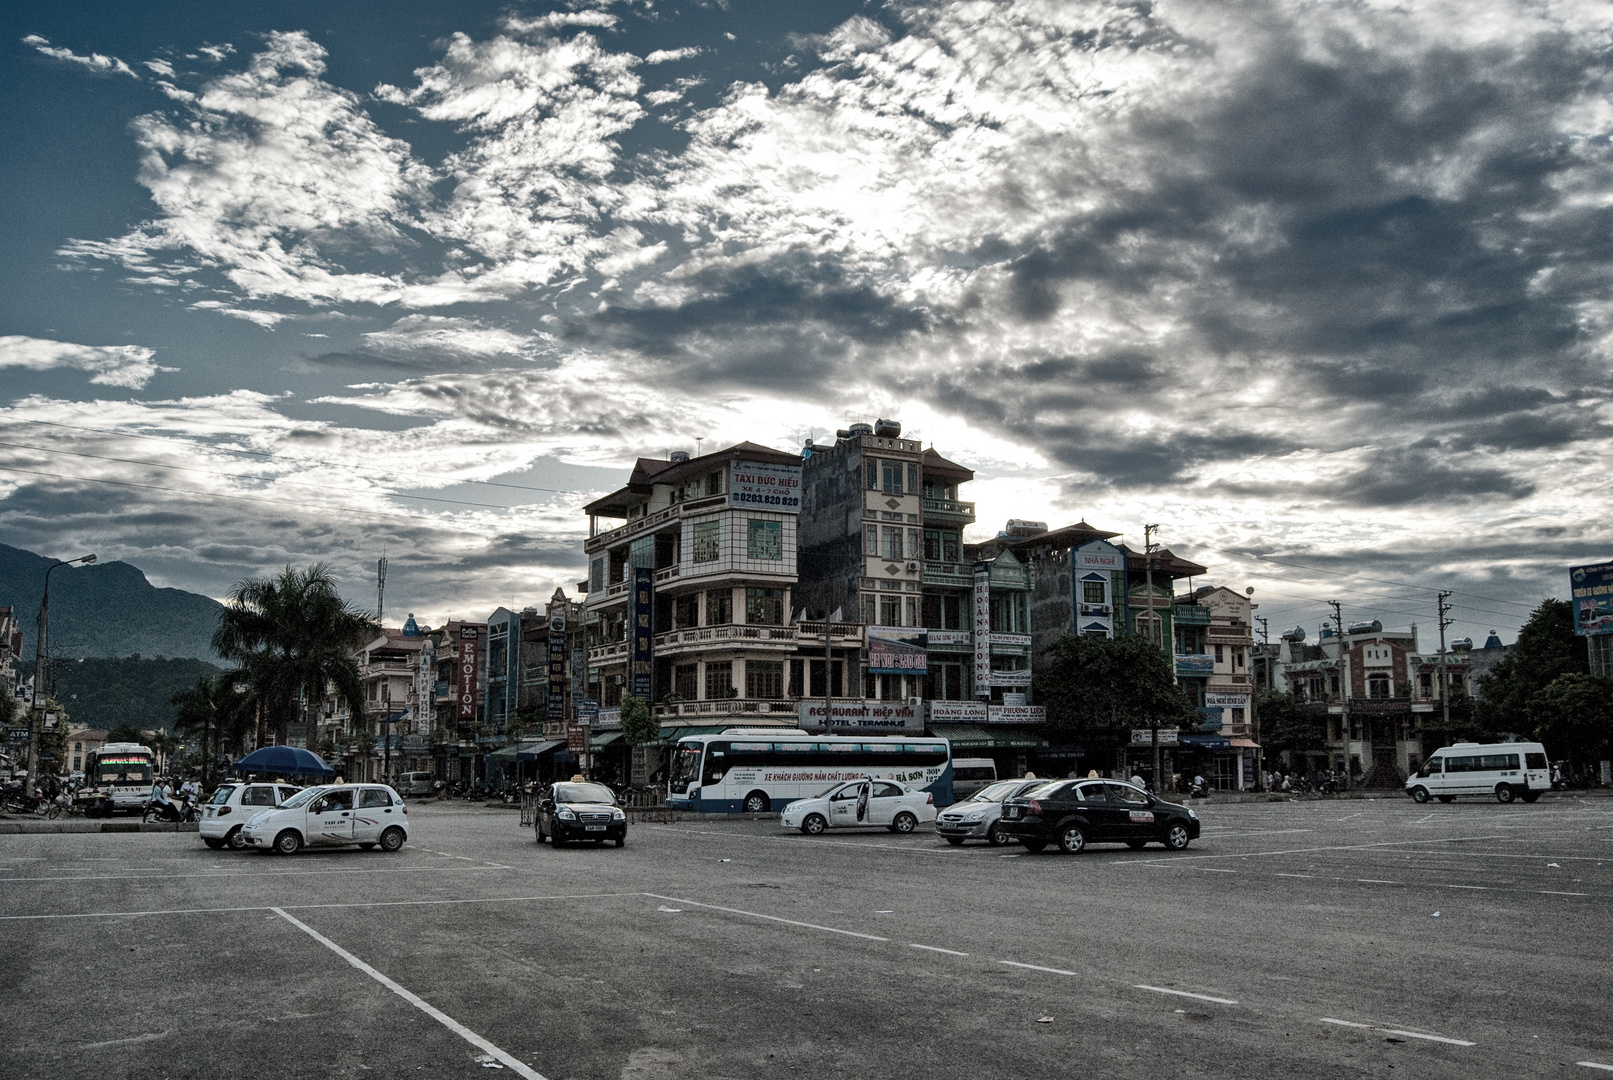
(986, 737)
(1206, 742)
(673, 734)
(604, 739)
(1246, 744)
(530, 751)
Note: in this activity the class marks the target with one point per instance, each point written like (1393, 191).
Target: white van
(971, 774)
(1516, 770)
(414, 783)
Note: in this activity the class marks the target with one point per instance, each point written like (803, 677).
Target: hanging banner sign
(1141, 736)
(469, 647)
(759, 486)
(641, 658)
(1011, 678)
(557, 663)
(982, 622)
(1592, 590)
(897, 650)
(1226, 701)
(948, 638)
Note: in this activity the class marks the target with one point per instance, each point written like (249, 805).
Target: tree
(1547, 648)
(1090, 683)
(1573, 716)
(1286, 729)
(639, 725)
(293, 635)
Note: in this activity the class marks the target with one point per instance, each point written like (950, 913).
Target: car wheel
(1504, 793)
(904, 823)
(1072, 839)
(1176, 837)
(214, 842)
(757, 803)
(367, 846)
(1136, 845)
(997, 836)
(288, 842)
(234, 840)
(814, 825)
(1445, 798)
(955, 841)
(392, 839)
(1419, 794)
(1033, 846)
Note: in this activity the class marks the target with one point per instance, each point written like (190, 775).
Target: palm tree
(293, 635)
(196, 713)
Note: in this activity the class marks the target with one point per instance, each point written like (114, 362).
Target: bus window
(927, 753)
(685, 766)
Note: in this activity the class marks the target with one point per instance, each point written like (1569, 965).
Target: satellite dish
(1250, 591)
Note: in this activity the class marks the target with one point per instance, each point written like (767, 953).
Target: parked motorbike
(185, 810)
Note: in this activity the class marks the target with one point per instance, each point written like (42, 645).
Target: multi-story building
(389, 672)
(692, 597)
(11, 676)
(81, 743)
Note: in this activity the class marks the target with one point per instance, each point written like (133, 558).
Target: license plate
(594, 828)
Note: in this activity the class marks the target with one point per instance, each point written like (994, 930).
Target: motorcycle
(184, 810)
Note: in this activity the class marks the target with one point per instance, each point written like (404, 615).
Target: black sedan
(576, 810)
(1081, 812)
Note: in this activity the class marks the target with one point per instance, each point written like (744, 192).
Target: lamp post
(36, 715)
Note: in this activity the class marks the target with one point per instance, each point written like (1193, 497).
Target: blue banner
(1592, 590)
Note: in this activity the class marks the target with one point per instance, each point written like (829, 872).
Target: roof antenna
(698, 439)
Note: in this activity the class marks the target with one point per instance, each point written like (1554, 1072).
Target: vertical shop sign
(470, 638)
(983, 631)
(557, 662)
(641, 657)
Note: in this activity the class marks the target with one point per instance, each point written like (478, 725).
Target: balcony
(726, 636)
(949, 510)
(726, 707)
(961, 575)
(650, 522)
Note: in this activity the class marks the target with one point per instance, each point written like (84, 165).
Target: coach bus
(117, 776)
(762, 769)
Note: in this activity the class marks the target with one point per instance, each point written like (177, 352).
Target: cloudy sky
(1321, 288)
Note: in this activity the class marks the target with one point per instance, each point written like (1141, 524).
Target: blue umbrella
(284, 761)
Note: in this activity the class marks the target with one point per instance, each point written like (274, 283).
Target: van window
(1461, 764)
(1490, 762)
(1535, 761)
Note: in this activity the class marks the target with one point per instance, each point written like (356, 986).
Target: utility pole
(1344, 683)
(1154, 621)
(380, 587)
(1265, 642)
(1444, 693)
(828, 672)
(36, 715)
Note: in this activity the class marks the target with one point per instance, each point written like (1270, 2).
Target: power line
(270, 455)
(1380, 581)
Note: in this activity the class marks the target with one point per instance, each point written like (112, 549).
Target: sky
(1322, 289)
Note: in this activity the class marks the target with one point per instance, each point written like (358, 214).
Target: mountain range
(106, 610)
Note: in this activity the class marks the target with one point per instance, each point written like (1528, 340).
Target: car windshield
(995, 793)
(583, 793)
(830, 790)
(302, 797)
(222, 795)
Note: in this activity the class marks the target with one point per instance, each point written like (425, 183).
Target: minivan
(971, 774)
(414, 783)
(1508, 771)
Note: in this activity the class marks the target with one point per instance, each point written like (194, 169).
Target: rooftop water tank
(1371, 627)
(887, 429)
(1493, 641)
(678, 456)
(1294, 633)
(859, 429)
(1462, 644)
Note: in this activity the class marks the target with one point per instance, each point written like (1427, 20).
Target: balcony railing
(949, 507)
(650, 521)
(725, 706)
(948, 573)
(728, 635)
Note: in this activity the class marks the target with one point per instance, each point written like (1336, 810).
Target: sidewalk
(33, 823)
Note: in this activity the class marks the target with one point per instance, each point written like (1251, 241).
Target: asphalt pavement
(1337, 938)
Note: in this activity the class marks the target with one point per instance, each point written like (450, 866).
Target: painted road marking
(769, 918)
(1479, 888)
(519, 1067)
(1554, 892)
(1373, 881)
(1036, 967)
(1395, 1031)
(1341, 847)
(1305, 876)
(313, 907)
(1184, 993)
(215, 875)
(936, 948)
(1595, 1065)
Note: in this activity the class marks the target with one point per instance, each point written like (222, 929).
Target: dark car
(1081, 812)
(577, 810)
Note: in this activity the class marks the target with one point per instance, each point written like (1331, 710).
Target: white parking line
(1394, 1031)
(1373, 881)
(214, 875)
(313, 907)
(1036, 967)
(769, 918)
(1184, 993)
(936, 948)
(1478, 888)
(1595, 1065)
(519, 1067)
(1554, 892)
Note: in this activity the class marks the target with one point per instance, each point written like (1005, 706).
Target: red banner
(469, 647)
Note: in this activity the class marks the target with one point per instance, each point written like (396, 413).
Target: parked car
(978, 816)
(232, 803)
(332, 814)
(414, 783)
(865, 803)
(577, 810)
(1075, 813)
(1506, 770)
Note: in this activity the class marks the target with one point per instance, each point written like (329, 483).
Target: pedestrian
(1137, 781)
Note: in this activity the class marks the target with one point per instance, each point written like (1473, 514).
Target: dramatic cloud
(131, 366)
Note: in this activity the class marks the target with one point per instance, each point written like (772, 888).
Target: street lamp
(37, 713)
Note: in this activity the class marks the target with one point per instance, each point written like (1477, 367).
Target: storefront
(1008, 745)
(1212, 757)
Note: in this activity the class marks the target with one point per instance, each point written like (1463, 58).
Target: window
(1149, 627)
(714, 483)
(893, 542)
(719, 679)
(685, 681)
(1219, 654)
(1425, 684)
(912, 611)
(764, 678)
(890, 611)
(1092, 592)
(78, 748)
(893, 477)
(1535, 761)
(373, 796)
(870, 539)
(1377, 685)
(1237, 658)
(870, 610)
(719, 607)
(707, 541)
(913, 547)
(932, 544)
(764, 607)
(686, 611)
(873, 474)
(949, 547)
(334, 800)
(766, 540)
(912, 477)
(258, 795)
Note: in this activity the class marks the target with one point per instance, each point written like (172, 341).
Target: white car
(232, 805)
(362, 814)
(977, 817)
(864, 803)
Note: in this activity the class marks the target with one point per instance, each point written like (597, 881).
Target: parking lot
(1354, 937)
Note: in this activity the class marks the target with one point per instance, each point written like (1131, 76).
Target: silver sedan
(975, 818)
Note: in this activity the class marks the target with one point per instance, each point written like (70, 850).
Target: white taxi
(332, 814)
(232, 805)
(861, 804)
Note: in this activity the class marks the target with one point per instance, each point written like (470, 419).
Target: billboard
(557, 662)
(898, 650)
(850, 717)
(1591, 588)
(642, 648)
(755, 485)
(978, 712)
(982, 623)
(1022, 677)
(470, 638)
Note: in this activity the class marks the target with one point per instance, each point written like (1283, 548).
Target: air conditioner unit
(915, 703)
(912, 567)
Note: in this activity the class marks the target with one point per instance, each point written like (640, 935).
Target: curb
(13, 828)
